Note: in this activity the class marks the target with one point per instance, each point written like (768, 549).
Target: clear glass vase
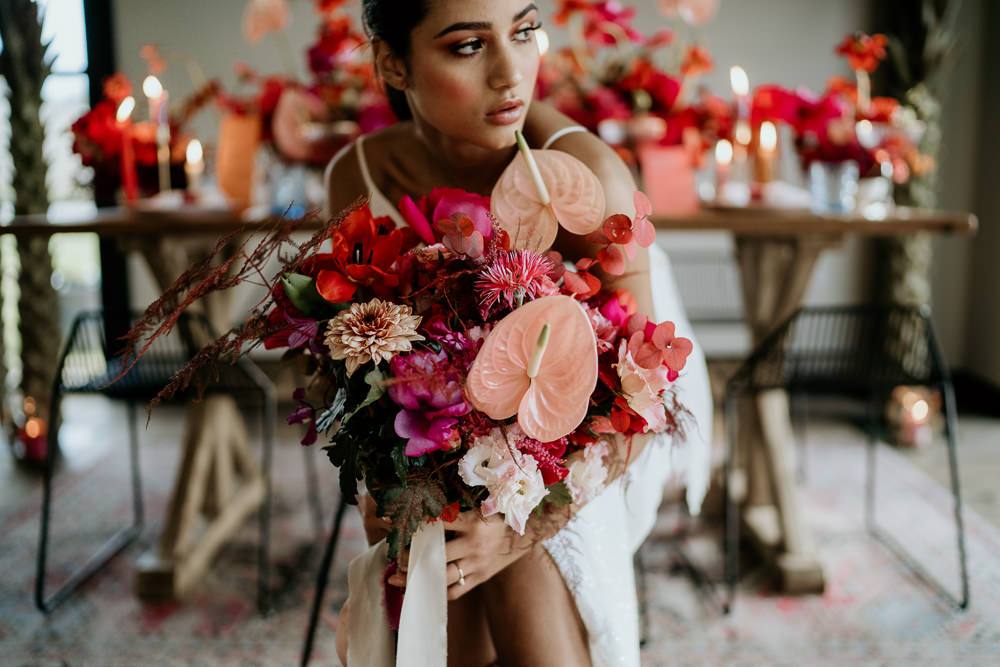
(833, 186)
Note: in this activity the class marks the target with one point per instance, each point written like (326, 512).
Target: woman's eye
(469, 48)
(527, 33)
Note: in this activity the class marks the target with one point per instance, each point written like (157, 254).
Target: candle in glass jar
(723, 160)
(740, 83)
(194, 166)
(767, 151)
(130, 180)
(153, 90)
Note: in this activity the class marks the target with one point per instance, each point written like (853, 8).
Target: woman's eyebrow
(482, 25)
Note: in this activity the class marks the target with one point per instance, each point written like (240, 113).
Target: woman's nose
(505, 72)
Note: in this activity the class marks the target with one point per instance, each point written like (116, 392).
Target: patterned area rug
(874, 611)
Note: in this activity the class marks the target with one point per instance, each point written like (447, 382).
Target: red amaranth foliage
(549, 458)
(229, 264)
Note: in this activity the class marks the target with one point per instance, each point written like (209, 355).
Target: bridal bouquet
(456, 363)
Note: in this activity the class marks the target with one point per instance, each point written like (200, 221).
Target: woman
(462, 73)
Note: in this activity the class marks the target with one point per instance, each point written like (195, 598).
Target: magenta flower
(448, 203)
(429, 390)
(424, 435)
(450, 207)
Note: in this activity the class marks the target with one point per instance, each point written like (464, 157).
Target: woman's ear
(390, 67)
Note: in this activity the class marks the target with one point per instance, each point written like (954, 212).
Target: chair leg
(312, 491)
(322, 577)
(894, 546)
(731, 540)
(46, 603)
(268, 421)
(951, 432)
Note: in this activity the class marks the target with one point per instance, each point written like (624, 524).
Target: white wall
(784, 41)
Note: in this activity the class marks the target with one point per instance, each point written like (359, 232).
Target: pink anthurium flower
(539, 363)
(541, 190)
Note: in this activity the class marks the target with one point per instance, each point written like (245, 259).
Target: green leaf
(400, 462)
(301, 291)
(408, 507)
(375, 380)
(559, 495)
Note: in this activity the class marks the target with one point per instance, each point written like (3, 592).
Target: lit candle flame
(542, 39)
(865, 133)
(125, 109)
(723, 152)
(194, 152)
(739, 81)
(768, 136)
(743, 133)
(151, 87)
(920, 410)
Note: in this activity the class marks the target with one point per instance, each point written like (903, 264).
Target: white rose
(587, 473)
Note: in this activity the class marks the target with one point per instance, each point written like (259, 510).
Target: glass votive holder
(833, 186)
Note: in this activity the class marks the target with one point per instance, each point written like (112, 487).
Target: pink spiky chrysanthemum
(512, 276)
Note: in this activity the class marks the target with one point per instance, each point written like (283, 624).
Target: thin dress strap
(378, 202)
(559, 134)
(363, 164)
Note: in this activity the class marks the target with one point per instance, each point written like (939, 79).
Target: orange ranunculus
(863, 52)
(697, 61)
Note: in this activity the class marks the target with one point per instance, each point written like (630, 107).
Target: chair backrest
(846, 348)
(86, 368)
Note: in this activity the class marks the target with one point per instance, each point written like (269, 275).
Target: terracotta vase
(668, 177)
(239, 138)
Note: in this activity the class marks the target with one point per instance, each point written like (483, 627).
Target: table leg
(218, 485)
(775, 274)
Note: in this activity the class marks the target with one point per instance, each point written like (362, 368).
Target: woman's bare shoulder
(343, 178)
(544, 121)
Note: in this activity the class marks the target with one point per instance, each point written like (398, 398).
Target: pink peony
(430, 392)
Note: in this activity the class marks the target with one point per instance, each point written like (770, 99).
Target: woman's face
(472, 68)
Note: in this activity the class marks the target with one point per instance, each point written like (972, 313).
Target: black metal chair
(854, 351)
(322, 578)
(86, 367)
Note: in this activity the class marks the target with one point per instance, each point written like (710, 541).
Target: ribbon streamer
(423, 623)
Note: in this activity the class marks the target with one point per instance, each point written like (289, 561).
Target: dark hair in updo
(392, 21)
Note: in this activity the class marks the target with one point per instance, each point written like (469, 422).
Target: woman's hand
(478, 550)
(376, 528)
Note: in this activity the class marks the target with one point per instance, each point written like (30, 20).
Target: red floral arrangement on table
(610, 81)
(846, 122)
(98, 137)
(456, 364)
(342, 94)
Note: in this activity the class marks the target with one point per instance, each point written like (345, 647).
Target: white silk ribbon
(423, 623)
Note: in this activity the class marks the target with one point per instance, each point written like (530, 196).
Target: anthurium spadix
(542, 189)
(540, 363)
